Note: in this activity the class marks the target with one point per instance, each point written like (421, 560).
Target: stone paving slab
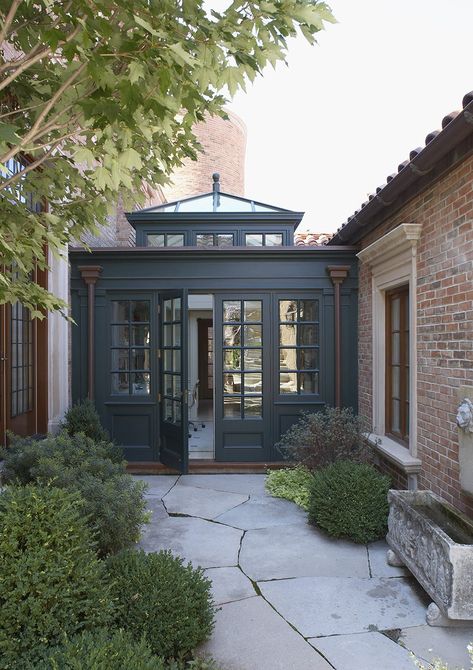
(430, 642)
(264, 512)
(252, 485)
(250, 635)
(378, 564)
(229, 584)
(320, 606)
(158, 485)
(364, 651)
(201, 502)
(156, 507)
(299, 550)
(205, 543)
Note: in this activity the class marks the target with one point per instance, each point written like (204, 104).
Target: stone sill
(395, 453)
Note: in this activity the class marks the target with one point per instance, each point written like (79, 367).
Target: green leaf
(8, 133)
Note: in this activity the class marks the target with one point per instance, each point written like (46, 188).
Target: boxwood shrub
(51, 582)
(350, 500)
(161, 598)
(83, 418)
(113, 500)
(100, 650)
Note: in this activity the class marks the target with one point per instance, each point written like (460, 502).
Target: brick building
(415, 348)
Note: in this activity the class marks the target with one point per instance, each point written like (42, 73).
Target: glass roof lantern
(215, 201)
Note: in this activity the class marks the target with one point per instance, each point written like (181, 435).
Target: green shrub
(163, 599)
(83, 418)
(26, 460)
(113, 500)
(290, 483)
(350, 500)
(100, 650)
(325, 437)
(51, 582)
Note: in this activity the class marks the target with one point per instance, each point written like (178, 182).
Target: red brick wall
(444, 323)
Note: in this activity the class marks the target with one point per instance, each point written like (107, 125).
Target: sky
(328, 129)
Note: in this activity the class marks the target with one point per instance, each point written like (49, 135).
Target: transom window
(397, 363)
(165, 240)
(299, 343)
(263, 239)
(214, 239)
(242, 359)
(22, 356)
(130, 353)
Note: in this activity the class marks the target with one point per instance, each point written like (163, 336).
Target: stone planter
(435, 542)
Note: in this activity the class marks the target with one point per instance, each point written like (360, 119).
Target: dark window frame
(264, 234)
(401, 435)
(166, 234)
(130, 347)
(215, 236)
(298, 370)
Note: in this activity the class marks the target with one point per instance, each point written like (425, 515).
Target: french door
(242, 378)
(173, 380)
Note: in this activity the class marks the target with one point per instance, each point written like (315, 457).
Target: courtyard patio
(288, 596)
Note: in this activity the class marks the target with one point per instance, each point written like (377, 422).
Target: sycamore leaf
(8, 133)
(147, 26)
(136, 71)
(182, 54)
(130, 159)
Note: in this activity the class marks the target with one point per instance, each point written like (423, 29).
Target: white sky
(329, 129)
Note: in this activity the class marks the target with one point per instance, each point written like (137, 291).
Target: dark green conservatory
(206, 340)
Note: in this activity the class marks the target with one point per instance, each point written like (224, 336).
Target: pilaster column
(90, 275)
(338, 274)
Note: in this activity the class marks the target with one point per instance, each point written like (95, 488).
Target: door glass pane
(177, 335)
(140, 310)
(232, 408)
(253, 407)
(308, 359)
(168, 385)
(155, 240)
(174, 240)
(120, 336)
(120, 310)
(232, 383)
(140, 383)
(395, 348)
(288, 310)
(177, 412)
(140, 335)
(309, 334)
(396, 382)
(167, 308)
(140, 359)
(396, 313)
(176, 309)
(288, 335)
(167, 410)
(288, 382)
(288, 359)
(254, 240)
(176, 386)
(231, 336)
(273, 240)
(252, 336)
(253, 359)
(252, 310)
(120, 359)
(232, 359)
(168, 356)
(308, 382)
(120, 383)
(224, 240)
(167, 335)
(308, 310)
(231, 311)
(177, 360)
(253, 382)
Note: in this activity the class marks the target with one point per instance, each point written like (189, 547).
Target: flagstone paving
(288, 597)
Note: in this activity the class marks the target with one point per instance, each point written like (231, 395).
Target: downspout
(338, 274)
(90, 275)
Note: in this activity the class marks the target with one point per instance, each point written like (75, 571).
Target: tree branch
(9, 19)
(31, 166)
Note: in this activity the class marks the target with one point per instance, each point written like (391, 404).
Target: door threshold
(205, 467)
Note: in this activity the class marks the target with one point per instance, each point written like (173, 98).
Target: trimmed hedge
(161, 598)
(83, 418)
(113, 500)
(350, 500)
(290, 483)
(51, 582)
(100, 650)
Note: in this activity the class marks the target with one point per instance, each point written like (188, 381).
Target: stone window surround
(392, 261)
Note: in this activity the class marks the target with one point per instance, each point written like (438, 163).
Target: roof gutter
(456, 127)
